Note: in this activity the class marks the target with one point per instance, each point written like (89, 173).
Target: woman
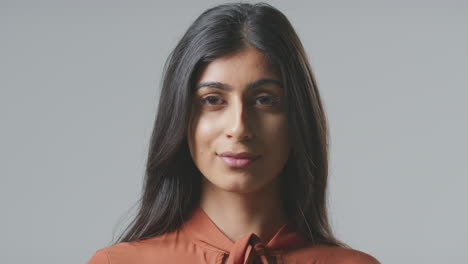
(237, 167)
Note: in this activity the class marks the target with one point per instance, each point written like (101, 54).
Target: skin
(240, 200)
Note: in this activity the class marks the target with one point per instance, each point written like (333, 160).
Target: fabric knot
(248, 250)
(257, 244)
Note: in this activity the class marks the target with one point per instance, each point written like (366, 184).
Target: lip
(238, 160)
(239, 155)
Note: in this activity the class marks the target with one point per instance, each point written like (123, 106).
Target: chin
(238, 185)
(241, 189)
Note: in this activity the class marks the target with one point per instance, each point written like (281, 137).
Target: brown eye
(211, 100)
(267, 100)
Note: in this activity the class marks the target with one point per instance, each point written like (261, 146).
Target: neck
(238, 214)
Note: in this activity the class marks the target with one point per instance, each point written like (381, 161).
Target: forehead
(244, 66)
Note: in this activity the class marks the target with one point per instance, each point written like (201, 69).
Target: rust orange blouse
(200, 241)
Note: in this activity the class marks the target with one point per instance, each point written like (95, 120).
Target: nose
(239, 123)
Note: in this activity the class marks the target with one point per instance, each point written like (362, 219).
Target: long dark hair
(172, 182)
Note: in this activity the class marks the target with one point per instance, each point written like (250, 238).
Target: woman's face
(239, 106)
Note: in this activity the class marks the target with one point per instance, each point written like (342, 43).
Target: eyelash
(274, 100)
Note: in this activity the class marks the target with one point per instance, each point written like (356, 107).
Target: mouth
(238, 162)
(238, 159)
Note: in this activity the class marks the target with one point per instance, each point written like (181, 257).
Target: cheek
(204, 134)
(275, 139)
(275, 129)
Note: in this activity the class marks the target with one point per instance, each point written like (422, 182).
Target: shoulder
(353, 256)
(99, 257)
(142, 251)
(336, 255)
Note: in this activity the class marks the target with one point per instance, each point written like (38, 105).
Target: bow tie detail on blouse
(248, 249)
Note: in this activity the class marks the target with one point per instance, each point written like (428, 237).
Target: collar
(248, 249)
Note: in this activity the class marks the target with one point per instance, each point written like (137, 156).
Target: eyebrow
(227, 87)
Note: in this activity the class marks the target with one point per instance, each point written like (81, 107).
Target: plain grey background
(79, 90)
